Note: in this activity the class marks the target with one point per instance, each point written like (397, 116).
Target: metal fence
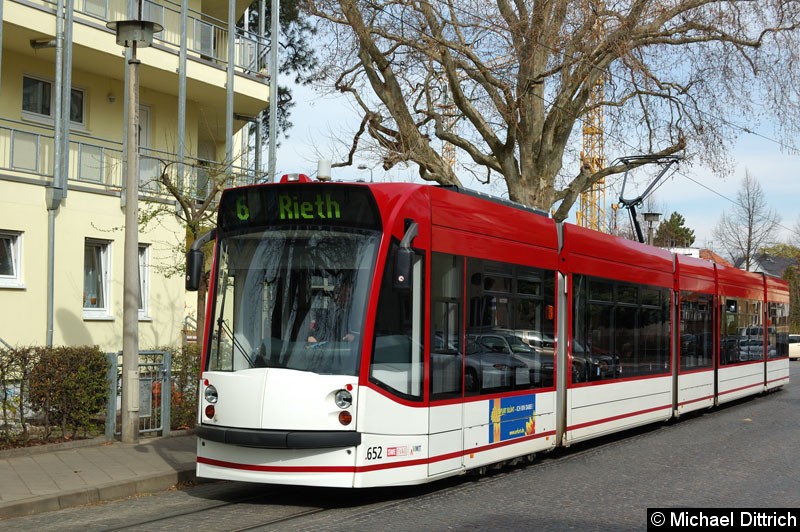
(155, 393)
(27, 151)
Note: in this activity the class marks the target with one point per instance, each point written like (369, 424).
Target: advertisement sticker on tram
(512, 417)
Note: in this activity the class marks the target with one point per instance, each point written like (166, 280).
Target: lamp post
(275, 8)
(652, 219)
(365, 167)
(131, 34)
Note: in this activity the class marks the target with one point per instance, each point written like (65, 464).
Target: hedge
(60, 393)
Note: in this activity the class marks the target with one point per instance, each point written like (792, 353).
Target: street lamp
(365, 167)
(131, 34)
(652, 219)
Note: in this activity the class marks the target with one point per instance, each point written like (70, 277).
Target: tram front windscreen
(292, 291)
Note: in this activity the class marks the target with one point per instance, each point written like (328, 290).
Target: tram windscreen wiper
(224, 327)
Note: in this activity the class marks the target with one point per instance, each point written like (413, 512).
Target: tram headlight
(344, 399)
(211, 394)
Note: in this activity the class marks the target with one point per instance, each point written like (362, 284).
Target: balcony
(29, 25)
(95, 165)
(206, 35)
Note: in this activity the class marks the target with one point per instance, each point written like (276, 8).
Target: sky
(693, 191)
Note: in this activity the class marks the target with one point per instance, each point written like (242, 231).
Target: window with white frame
(96, 282)
(10, 257)
(38, 100)
(144, 281)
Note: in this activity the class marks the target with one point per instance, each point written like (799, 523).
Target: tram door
(446, 364)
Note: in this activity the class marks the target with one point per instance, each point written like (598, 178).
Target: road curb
(106, 492)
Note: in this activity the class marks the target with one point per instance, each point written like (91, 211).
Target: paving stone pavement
(53, 477)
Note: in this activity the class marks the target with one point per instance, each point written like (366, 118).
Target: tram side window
(397, 363)
(490, 286)
(741, 331)
(593, 357)
(446, 326)
(778, 336)
(620, 329)
(625, 337)
(510, 335)
(653, 330)
(696, 333)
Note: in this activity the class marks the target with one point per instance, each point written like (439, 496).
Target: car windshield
(292, 298)
(517, 345)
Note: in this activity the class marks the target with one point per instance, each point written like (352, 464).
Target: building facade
(63, 132)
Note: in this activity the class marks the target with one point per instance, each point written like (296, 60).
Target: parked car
(751, 350)
(700, 344)
(594, 364)
(729, 349)
(754, 332)
(540, 363)
(490, 367)
(794, 346)
(536, 339)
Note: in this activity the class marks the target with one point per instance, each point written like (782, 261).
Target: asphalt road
(743, 455)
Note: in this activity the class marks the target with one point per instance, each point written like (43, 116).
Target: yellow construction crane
(592, 207)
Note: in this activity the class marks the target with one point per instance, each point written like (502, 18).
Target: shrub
(185, 376)
(68, 388)
(64, 391)
(185, 372)
(15, 366)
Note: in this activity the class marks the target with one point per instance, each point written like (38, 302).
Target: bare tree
(195, 197)
(749, 226)
(794, 237)
(508, 84)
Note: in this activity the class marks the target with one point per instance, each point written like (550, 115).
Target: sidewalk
(42, 479)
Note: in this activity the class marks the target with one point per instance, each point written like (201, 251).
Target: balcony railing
(206, 36)
(27, 151)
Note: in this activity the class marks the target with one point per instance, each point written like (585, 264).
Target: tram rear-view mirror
(403, 267)
(194, 269)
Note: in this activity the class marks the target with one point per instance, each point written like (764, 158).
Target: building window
(144, 281)
(96, 280)
(10, 255)
(38, 100)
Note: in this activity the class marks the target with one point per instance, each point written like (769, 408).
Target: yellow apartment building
(63, 118)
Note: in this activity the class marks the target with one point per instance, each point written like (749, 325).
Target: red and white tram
(383, 334)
